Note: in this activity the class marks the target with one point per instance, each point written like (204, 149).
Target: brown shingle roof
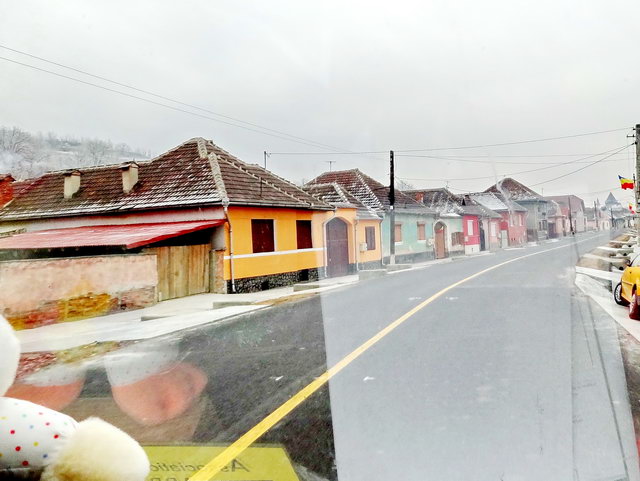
(515, 190)
(336, 195)
(196, 173)
(369, 191)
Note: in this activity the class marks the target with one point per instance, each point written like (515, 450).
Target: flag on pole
(633, 211)
(625, 183)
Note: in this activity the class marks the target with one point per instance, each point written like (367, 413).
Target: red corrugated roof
(129, 236)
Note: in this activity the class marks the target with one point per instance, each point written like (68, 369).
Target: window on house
(422, 235)
(457, 238)
(494, 231)
(469, 227)
(262, 235)
(511, 221)
(370, 237)
(398, 231)
(303, 232)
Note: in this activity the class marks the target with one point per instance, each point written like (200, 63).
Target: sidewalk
(175, 315)
(164, 318)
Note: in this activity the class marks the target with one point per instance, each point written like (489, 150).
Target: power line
(581, 168)
(529, 170)
(163, 97)
(546, 139)
(474, 161)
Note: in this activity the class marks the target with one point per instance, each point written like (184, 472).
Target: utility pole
(570, 219)
(611, 213)
(637, 176)
(595, 214)
(392, 211)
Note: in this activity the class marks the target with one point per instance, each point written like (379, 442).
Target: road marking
(248, 438)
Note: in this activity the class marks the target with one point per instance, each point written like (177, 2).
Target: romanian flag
(633, 211)
(625, 183)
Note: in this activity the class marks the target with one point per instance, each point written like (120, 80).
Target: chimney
(420, 196)
(129, 176)
(71, 183)
(6, 189)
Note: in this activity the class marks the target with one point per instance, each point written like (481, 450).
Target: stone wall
(38, 292)
(261, 283)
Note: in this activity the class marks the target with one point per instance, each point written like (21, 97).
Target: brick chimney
(420, 196)
(71, 183)
(129, 176)
(6, 189)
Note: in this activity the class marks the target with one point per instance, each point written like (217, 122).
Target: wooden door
(440, 246)
(337, 248)
(182, 270)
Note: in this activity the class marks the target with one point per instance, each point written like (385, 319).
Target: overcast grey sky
(358, 75)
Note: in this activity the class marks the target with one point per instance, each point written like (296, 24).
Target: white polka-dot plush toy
(39, 443)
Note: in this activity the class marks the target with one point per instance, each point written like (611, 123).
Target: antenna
(330, 162)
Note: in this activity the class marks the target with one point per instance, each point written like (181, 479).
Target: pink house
(471, 231)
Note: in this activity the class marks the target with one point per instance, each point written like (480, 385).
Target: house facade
(413, 223)
(575, 208)
(463, 226)
(204, 219)
(513, 226)
(536, 205)
(353, 230)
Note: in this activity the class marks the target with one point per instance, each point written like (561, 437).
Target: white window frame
(470, 227)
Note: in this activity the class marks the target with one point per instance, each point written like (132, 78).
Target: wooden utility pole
(635, 184)
(392, 212)
(570, 218)
(595, 214)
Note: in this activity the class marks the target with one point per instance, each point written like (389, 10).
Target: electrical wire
(163, 97)
(578, 170)
(474, 161)
(617, 149)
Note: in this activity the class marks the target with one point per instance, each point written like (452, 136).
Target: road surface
(512, 375)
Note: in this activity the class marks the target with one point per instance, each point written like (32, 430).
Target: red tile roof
(129, 236)
(196, 173)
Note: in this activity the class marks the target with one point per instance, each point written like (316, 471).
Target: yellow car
(626, 292)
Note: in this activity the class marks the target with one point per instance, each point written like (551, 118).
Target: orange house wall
(286, 240)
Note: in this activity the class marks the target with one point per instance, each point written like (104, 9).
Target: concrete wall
(38, 292)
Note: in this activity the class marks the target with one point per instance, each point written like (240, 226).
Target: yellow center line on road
(247, 439)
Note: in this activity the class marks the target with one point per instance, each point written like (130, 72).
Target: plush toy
(39, 443)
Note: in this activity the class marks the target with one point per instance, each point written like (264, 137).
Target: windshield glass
(334, 242)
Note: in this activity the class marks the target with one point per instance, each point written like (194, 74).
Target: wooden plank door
(441, 252)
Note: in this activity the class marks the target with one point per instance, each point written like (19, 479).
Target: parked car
(625, 292)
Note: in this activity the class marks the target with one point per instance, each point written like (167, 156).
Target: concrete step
(306, 286)
(230, 303)
(371, 274)
(397, 267)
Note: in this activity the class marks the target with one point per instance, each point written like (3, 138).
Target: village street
(483, 383)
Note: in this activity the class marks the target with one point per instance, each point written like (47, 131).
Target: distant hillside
(26, 155)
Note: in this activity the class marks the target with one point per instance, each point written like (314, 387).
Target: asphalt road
(509, 376)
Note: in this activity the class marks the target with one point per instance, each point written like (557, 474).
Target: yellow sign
(257, 463)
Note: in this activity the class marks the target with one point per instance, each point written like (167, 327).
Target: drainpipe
(355, 244)
(225, 207)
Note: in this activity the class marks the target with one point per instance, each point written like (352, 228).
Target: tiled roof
(577, 203)
(441, 200)
(472, 207)
(369, 191)
(337, 196)
(497, 202)
(514, 190)
(196, 173)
